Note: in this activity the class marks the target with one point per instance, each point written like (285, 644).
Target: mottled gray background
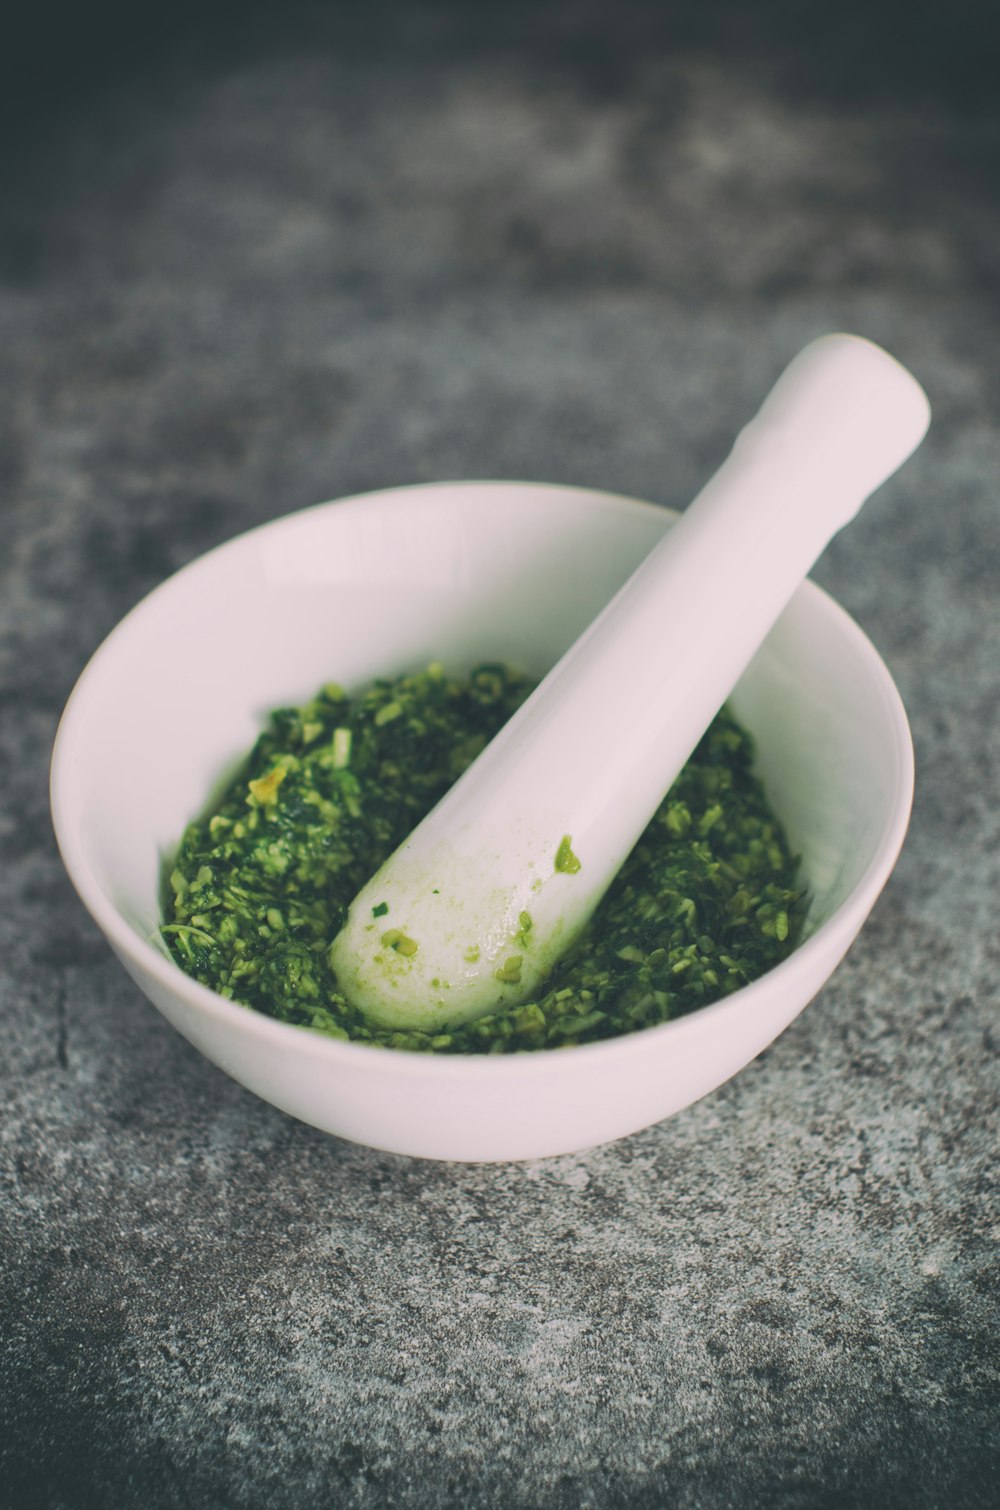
(263, 257)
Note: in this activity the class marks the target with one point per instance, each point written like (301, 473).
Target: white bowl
(458, 572)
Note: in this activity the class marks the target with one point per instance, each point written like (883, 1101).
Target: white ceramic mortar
(459, 572)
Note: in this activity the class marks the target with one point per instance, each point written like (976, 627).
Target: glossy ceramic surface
(460, 573)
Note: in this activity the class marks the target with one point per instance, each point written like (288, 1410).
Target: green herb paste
(706, 902)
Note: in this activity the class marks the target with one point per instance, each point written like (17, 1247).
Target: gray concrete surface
(293, 255)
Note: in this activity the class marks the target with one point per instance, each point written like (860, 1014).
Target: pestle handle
(593, 751)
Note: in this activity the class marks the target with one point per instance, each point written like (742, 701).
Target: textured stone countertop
(255, 263)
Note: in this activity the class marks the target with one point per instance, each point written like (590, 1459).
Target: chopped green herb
(341, 745)
(510, 971)
(396, 939)
(265, 789)
(566, 861)
(707, 901)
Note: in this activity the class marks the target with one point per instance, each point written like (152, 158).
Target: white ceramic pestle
(474, 908)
